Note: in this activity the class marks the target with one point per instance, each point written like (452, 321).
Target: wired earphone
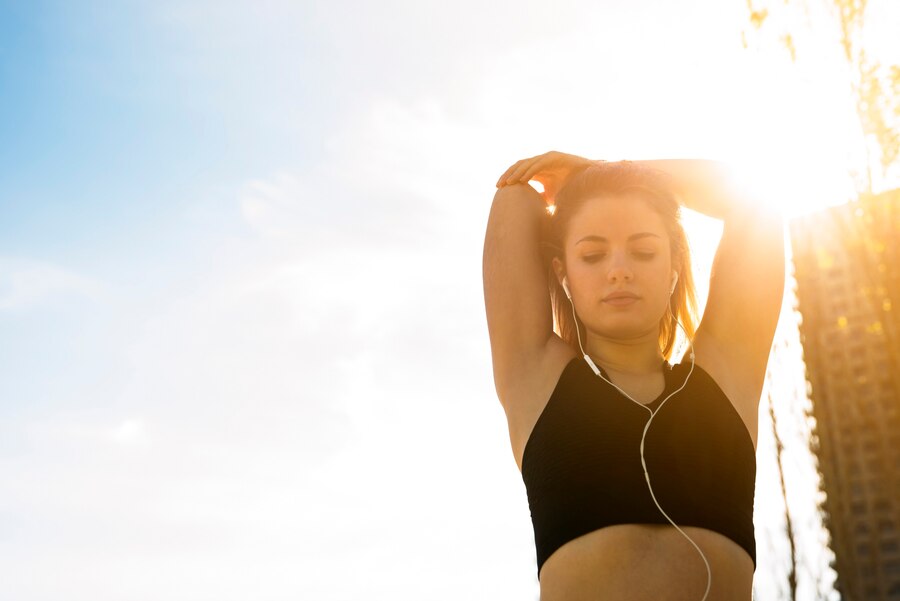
(587, 358)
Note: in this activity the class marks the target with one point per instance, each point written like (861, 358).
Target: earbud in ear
(674, 281)
(565, 285)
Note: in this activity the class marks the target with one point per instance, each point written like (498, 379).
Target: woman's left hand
(552, 169)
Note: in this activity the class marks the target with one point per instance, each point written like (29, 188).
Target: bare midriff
(647, 562)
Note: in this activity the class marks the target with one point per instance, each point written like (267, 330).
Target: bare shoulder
(529, 388)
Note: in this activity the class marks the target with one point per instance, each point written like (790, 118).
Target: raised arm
(516, 291)
(747, 280)
(708, 187)
(516, 295)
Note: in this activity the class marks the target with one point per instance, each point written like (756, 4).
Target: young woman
(640, 474)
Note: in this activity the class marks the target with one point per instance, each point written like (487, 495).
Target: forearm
(705, 186)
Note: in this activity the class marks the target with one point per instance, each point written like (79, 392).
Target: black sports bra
(582, 462)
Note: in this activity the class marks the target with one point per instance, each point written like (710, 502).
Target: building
(846, 262)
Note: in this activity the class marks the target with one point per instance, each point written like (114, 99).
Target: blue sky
(112, 118)
(243, 349)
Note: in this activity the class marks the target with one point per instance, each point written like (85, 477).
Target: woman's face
(613, 245)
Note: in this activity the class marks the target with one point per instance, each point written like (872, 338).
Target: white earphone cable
(646, 427)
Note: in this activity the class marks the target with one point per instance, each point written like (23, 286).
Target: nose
(619, 269)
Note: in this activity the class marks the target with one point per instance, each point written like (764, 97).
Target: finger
(521, 170)
(509, 177)
(537, 164)
(502, 181)
(534, 169)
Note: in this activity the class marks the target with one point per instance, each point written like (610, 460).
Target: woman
(640, 475)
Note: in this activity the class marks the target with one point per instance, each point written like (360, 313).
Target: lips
(619, 294)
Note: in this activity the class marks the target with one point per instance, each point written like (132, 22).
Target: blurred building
(847, 267)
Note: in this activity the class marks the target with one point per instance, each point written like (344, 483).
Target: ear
(559, 269)
(676, 266)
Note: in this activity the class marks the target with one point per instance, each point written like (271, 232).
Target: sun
(798, 139)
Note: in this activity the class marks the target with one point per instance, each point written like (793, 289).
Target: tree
(796, 26)
(876, 93)
(875, 87)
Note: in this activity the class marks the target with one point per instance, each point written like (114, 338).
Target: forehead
(615, 219)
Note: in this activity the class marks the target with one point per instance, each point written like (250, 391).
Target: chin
(625, 329)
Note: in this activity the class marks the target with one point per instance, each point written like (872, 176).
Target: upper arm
(516, 294)
(746, 288)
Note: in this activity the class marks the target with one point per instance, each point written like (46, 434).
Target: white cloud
(321, 396)
(26, 283)
(87, 428)
(130, 431)
(304, 398)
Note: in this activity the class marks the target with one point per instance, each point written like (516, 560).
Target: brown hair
(623, 178)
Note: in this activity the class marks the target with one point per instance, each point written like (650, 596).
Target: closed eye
(596, 257)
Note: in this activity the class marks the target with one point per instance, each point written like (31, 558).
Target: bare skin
(624, 338)
(607, 563)
(626, 562)
(624, 341)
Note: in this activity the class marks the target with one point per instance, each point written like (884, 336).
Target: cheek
(660, 276)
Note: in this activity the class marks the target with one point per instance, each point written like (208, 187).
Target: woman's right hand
(552, 169)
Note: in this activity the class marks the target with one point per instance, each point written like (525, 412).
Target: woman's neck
(627, 357)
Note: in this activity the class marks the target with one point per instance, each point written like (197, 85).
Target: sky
(243, 349)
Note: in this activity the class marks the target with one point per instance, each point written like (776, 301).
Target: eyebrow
(593, 238)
